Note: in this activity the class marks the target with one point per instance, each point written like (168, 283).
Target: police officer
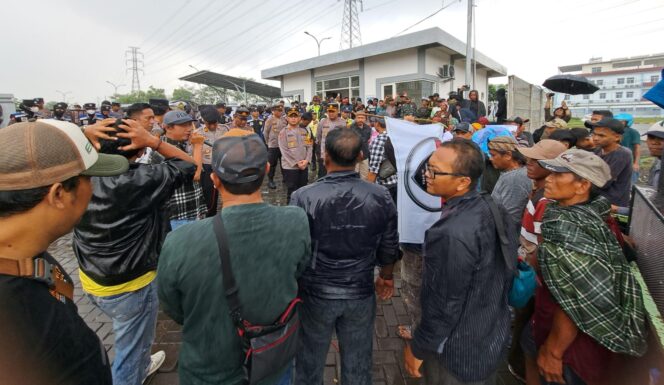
(221, 108)
(59, 110)
(105, 111)
(273, 126)
(90, 117)
(240, 119)
(42, 112)
(212, 131)
(256, 122)
(327, 124)
(296, 148)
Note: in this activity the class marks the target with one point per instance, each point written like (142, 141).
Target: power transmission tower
(350, 25)
(134, 61)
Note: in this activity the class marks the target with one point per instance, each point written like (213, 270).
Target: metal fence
(647, 230)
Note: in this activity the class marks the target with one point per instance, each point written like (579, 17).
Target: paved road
(387, 357)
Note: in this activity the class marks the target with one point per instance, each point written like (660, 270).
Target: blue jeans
(353, 321)
(175, 223)
(134, 316)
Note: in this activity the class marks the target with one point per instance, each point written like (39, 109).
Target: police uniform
(295, 145)
(325, 126)
(257, 125)
(271, 131)
(243, 114)
(61, 107)
(87, 119)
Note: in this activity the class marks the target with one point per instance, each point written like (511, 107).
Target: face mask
(59, 112)
(34, 109)
(90, 112)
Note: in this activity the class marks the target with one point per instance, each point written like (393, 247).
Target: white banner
(418, 210)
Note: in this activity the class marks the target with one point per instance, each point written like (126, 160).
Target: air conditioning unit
(446, 72)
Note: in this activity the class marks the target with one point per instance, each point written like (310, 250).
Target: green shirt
(269, 248)
(630, 139)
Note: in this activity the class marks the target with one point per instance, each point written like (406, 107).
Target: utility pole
(134, 61)
(350, 25)
(115, 87)
(318, 43)
(63, 94)
(469, 45)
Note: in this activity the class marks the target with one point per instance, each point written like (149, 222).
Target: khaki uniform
(271, 131)
(325, 126)
(295, 145)
(211, 136)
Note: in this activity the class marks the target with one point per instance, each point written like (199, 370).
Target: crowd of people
(141, 188)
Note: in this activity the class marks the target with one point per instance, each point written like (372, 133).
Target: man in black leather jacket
(353, 227)
(118, 241)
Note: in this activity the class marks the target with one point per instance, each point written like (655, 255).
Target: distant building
(420, 64)
(622, 83)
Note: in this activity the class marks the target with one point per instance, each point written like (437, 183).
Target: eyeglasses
(433, 173)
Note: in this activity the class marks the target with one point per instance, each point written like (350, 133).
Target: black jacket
(353, 227)
(120, 235)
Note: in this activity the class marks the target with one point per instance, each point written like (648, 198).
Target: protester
(655, 142)
(598, 115)
(327, 124)
(529, 240)
(548, 127)
(501, 110)
(143, 114)
(116, 111)
(362, 127)
(474, 104)
(118, 268)
(211, 131)
(565, 137)
(391, 107)
(631, 140)
(273, 126)
(465, 323)
(337, 287)
(513, 185)
(423, 112)
(295, 153)
(588, 308)
(464, 130)
(561, 112)
(187, 203)
(406, 107)
(269, 247)
(382, 157)
(584, 138)
(523, 137)
(44, 190)
(607, 134)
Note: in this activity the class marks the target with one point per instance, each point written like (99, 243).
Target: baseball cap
(585, 164)
(239, 157)
(242, 112)
(177, 117)
(462, 126)
(556, 123)
(48, 151)
(544, 149)
(614, 125)
(656, 130)
(503, 143)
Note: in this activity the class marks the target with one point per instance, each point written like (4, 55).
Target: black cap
(60, 106)
(105, 103)
(210, 114)
(239, 159)
(159, 102)
(462, 126)
(220, 104)
(89, 106)
(614, 125)
(105, 107)
(38, 100)
(307, 116)
(242, 113)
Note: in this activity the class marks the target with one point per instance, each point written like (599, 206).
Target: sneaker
(156, 360)
(515, 374)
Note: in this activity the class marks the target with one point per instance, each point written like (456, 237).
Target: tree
(493, 88)
(141, 96)
(184, 93)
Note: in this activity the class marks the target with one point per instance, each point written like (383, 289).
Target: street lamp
(63, 94)
(318, 43)
(115, 87)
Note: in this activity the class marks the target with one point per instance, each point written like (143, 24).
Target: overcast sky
(77, 45)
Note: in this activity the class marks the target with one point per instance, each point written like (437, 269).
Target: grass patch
(647, 120)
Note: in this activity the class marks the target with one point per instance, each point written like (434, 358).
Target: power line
(350, 25)
(166, 21)
(197, 13)
(135, 67)
(426, 18)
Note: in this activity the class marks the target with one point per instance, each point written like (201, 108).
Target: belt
(39, 269)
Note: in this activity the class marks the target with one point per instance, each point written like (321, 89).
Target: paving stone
(390, 316)
(381, 327)
(377, 372)
(105, 330)
(330, 375)
(395, 344)
(393, 375)
(331, 359)
(384, 357)
(399, 307)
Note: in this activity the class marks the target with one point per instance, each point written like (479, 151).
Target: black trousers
(294, 179)
(274, 158)
(210, 194)
(322, 171)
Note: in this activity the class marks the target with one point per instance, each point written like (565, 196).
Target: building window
(600, 82)
(629, 94)
(586, 97)
(567, 97)
(346, 86)
(630, 80)
(596, 70)
(621, 80)
(654, 78)
(618, 95)
(602, 95)
(416, 89)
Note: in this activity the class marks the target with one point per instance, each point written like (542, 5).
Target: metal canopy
(209, 78)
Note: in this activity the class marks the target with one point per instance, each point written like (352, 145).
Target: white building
(420, 63)
(622, 83)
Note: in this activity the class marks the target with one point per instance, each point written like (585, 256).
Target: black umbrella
(570, 84)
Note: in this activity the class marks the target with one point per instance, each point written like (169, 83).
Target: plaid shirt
(187, 201)
(589, 277)
(377, 157)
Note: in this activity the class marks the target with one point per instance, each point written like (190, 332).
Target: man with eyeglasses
(465, 323)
